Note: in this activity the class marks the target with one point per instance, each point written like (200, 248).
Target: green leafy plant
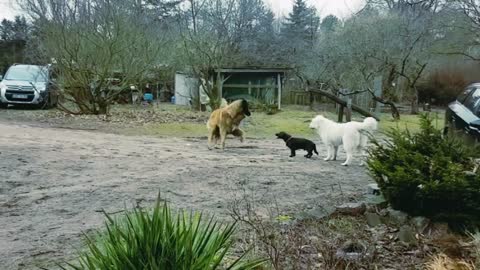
(427, 174)
(160, 239)
(260, 106)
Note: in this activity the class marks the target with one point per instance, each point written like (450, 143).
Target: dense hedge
(443, 86)
(426, 174)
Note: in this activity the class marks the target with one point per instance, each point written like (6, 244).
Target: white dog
(352, 135)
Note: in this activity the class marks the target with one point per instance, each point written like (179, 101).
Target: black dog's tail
(315, 149)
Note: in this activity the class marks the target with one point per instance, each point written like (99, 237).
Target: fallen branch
(343, 102)
(393, 107)
(352, 93)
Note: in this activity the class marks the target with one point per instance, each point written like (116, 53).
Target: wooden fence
(302, 97)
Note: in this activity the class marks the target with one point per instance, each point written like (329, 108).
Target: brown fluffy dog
(225, 121)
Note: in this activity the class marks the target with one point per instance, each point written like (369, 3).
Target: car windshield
(464, 94)
(473, 101)
(27, 73)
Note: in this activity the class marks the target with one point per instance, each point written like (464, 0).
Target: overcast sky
(7, 9)
(340, 8)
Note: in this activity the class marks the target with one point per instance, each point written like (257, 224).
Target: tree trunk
(388, 88)
(414, 102)
(414, 107)
(103, 107)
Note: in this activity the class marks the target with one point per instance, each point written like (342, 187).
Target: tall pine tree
(302, 23)
(13, 38)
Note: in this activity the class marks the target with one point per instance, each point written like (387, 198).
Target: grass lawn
(292, 119)
(410, 122)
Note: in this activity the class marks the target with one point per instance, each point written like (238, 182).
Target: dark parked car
(462, 118)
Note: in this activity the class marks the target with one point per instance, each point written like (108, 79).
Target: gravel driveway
(55, 182)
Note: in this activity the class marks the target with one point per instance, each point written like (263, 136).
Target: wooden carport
(254, 82)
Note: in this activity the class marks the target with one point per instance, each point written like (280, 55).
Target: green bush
(161, 240)
(261, 106)
(425, 174)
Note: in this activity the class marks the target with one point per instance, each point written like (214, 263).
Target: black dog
(298, 143)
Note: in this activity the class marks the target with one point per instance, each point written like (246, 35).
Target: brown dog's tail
(315, 149)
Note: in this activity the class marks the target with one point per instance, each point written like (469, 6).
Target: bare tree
(464, 23)
(409, 7)
(383, 43)
(221, 33)
(99, 48)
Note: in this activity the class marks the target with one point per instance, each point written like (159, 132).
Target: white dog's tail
(224, 103)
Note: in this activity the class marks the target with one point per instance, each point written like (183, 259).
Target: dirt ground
(54, 182)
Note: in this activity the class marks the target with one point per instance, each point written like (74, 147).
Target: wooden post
(341, 108)
(348, 113)
(279, 85)
(220, 85)
(311, 99)
(343, 103)
(377, 86)
(340, 114)
(258, 92)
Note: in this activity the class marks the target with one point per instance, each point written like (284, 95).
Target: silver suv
(28, 85)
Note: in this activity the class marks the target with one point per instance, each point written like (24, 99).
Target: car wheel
(3, 105)
(47, 104)
(449, 130)
(42, 105)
